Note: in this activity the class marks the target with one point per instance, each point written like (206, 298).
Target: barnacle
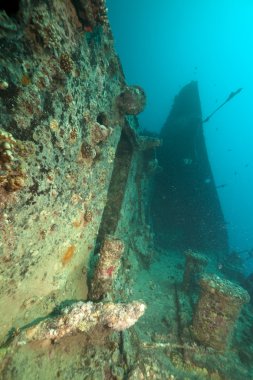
(88, 151)
(66, 63)
(12, 175)
(54, 125)
(88, 216)
(73, 135)
(98, 133)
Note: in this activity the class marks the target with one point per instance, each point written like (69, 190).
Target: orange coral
(68, 254)
(77, 223)
(25, 80)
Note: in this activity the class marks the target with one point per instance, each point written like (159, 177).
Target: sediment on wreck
(59, 81)
(64, 139)
(218, 309)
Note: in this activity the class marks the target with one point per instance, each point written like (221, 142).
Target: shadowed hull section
(187, 211)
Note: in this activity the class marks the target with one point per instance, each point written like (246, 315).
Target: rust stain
(77, 223)
(25, 80)
(68, 254)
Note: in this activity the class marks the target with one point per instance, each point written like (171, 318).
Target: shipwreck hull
(186, 206)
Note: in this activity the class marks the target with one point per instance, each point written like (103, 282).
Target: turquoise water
(203, 192)
(165, 45)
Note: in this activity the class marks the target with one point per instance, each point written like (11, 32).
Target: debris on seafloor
(82, 317)
(217, 311)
